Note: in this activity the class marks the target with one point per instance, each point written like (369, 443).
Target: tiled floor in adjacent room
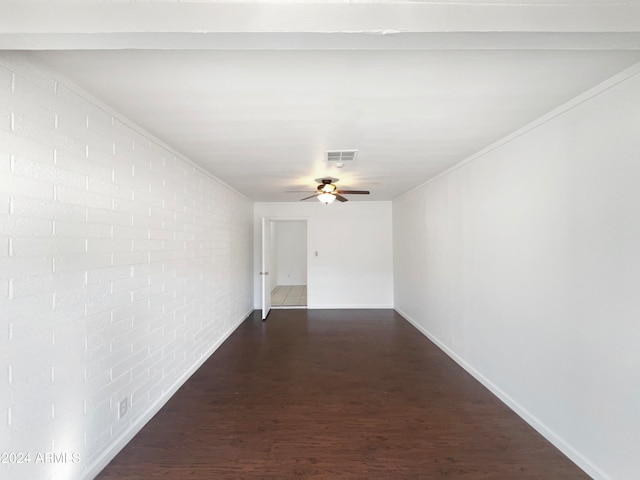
(289, 296)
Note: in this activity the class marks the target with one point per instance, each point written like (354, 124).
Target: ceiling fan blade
(340, 198)
(307, 198)
(354, 192)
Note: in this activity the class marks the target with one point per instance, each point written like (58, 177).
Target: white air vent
(341, 155)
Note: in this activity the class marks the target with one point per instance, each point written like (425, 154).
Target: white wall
(524, 265)
(122, 267)
(291, 253)
(354, 265)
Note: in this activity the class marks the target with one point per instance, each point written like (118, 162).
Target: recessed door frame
(266, 249)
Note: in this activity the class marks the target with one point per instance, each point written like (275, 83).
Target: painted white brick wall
(122, 267)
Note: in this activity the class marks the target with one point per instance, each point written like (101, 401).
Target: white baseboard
(334, 307)
(544, 430)
(108, 454)
(364, 307)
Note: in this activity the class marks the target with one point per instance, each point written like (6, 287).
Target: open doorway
(289, 263)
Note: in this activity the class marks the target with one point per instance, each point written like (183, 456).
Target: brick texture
(121, 266)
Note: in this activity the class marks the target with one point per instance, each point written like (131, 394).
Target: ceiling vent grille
(341, 156)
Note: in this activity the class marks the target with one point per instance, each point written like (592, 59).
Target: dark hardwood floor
(335, 394)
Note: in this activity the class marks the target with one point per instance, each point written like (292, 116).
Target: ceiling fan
(328, 192)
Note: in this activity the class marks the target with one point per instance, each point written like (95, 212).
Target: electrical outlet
(122, 407)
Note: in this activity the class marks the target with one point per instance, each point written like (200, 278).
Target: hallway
(335, 394)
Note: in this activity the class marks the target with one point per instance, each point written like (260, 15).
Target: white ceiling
(260, 108)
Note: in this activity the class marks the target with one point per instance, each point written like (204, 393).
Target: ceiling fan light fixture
(327, 188)
(327, 192)
(326, 198)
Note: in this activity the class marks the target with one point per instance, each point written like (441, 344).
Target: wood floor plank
(335, 394)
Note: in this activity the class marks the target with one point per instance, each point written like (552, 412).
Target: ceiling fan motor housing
(326, 187)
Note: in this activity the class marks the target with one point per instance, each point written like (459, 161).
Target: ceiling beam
(322, 41)
(28, 24)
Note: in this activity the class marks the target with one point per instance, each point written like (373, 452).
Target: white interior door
(266, 260)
